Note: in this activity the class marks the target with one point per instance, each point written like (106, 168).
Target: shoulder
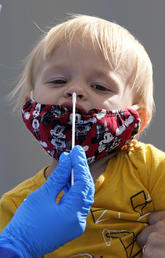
(154, 167)
(147, 153)
(149, 162)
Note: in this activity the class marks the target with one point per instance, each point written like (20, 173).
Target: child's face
(83, 70)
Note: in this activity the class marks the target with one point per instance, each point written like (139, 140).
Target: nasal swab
(73, 129)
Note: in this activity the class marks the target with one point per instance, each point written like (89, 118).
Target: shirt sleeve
(156, 177)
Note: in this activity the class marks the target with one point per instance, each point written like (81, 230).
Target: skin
(82, 69)
(152, 237)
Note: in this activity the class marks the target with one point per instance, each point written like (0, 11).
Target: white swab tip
(74, 97)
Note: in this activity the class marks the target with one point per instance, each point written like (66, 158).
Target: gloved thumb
(83, 189)
(61, 175)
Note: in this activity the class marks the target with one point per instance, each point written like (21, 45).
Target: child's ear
(29, 96)
(145, 118)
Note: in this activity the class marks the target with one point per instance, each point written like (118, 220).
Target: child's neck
(96, 168)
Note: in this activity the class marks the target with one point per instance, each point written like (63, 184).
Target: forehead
(77, 50)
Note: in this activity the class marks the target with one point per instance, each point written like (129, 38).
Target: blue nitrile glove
(40, 225)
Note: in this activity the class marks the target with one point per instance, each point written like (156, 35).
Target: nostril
(80, 96)
(69, 94)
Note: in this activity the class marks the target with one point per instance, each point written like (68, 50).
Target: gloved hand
(40, 225)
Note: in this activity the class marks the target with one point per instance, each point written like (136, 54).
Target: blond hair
(114, 42)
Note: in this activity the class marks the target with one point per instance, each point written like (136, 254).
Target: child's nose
(78, 89)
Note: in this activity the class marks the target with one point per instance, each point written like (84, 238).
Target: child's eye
(57, 81)
(99, 87)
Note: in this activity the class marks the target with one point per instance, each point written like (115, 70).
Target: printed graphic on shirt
(127, 239)
(141, 204)
(99, 215)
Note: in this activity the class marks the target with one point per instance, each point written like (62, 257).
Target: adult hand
(40, 224)
(152, 238)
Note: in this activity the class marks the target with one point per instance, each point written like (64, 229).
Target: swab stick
(73, 129)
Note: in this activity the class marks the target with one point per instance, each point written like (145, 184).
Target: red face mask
(100, 132)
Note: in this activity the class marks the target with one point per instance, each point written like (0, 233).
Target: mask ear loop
(73, 129)
(131, 144)
(135, 107)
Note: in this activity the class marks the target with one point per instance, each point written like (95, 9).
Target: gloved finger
(79, 161)
(68, 184)
(90, 194)
(83, 188)
(60, 177)
(63, 156)
(67, 187)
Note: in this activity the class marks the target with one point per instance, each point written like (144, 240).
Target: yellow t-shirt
(131, 187)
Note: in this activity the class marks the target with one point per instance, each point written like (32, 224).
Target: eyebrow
(48, 71)
(55, 67)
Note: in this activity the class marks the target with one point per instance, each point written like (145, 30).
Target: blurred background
(20, 155)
